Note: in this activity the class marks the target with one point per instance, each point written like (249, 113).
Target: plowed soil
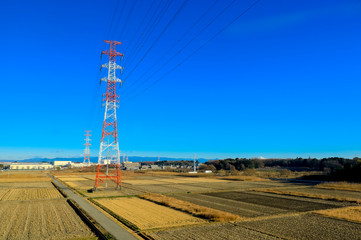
(307, 226)
(213, 231)
(280, 202)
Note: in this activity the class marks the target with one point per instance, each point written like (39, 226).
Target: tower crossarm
(114, 65)
(106, 79)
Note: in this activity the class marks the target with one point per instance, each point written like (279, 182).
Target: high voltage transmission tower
(109, 154)
(86, 161)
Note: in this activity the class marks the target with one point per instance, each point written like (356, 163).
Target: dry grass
(356, 187)
(31, 194)
(196, 210)
(3, 192)
(143, 182)
(245, 178)
(309, 195)
(65, 179)
(20, 176)
(347, 213)
(147, 215)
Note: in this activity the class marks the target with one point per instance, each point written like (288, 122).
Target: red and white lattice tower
(109, 154)
(86, 161)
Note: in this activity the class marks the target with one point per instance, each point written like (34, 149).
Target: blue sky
(281, 81)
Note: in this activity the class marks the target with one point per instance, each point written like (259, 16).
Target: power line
(151, 26)
(174, 44)
(188, 43)
(194, 52)
(160, 35)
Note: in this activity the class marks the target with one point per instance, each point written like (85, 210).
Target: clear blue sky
(281, 81)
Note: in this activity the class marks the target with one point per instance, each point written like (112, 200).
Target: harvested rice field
(274, 201)
(243, 209)
(347, 213)
(143, 182)
(306, 226)
(65, 179)
(212, 231)
(111, 193)
(51, 219)
(19, 194)
(27, 185)
(331, 192)
(148, 215)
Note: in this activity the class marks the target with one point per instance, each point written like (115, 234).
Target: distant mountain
(95, 159)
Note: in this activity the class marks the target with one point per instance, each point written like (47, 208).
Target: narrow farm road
(113, 228)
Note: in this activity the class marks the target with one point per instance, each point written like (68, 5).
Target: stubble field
(32, 208)
(264, 215)
(52, 219)
(148, 215)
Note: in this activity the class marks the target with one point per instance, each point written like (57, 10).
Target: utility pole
(109, 154)
(194, 162)
(86, 161)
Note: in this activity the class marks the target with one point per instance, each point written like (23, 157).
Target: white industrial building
(31, 166)
(62, 163)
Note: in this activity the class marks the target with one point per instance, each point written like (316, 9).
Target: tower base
(110, 172)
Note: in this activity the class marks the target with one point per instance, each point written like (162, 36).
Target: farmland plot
(147, 215)
(143, 182)
(52, 219)
(243, 209)
(307, 226)
(331, 192)
(26, 185)
(24, 180)
(3, 192)
(65, 179)
(276, 201)
(31, 194)
(212, 231)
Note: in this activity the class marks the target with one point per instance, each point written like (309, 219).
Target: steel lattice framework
(87, 139)
(109, 154)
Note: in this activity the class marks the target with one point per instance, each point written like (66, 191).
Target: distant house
(131, 165)
(31, 166)
(154, 167)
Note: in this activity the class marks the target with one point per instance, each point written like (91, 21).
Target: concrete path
(109, 225)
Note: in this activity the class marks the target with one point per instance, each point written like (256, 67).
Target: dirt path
(113, 228)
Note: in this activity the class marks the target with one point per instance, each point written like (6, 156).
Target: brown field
(301, 193)
(46, 184)
(213, 231)
(195, 210)
(65, 179)
(147, 215)
(347, 213)
(3, 192)
(281, 202)
(243, 209)
(20, 176)
(25, 180)
(143, 182)
(306, 226)
(52, 219)
(245, 178)
(341, 186)
(262, 214)
(31, 194)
